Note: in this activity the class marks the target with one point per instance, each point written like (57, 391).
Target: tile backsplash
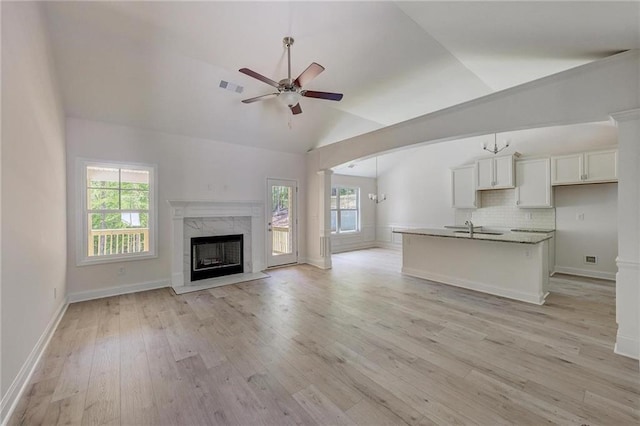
(499, 209)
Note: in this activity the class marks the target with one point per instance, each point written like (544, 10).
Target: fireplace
(199, 218)
(216, 256)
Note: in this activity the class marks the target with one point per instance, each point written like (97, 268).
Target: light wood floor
(358, 344)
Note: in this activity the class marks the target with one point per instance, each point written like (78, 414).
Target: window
(345, 206)
(118, 212)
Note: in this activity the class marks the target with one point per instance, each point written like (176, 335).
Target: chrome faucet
(470, 225)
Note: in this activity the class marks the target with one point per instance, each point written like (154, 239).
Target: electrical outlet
(121, 271)
(592, 260)
(580, 216)
(527, 253)
(528, 216)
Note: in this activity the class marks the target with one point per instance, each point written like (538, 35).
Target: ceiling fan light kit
(289, 90)
(289, 97)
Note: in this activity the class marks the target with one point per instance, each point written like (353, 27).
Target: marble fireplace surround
(186, 210)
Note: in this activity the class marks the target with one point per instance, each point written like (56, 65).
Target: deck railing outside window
(118, 241)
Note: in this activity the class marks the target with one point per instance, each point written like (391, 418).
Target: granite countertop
(544, 231)
(534, 237)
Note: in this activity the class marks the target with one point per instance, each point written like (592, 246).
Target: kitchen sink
(480, 232)
(463, 228)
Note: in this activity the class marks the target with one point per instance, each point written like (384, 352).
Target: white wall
(33, 192)
(188, 169)
(367, 236)
(417, 183)
(596, 235)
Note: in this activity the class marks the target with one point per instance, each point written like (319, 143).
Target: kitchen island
(509, 264)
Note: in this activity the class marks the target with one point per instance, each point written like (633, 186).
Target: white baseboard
(19, 385)
(585, 273)
(317, 262)
(81, 296)
(388, 245)
(627, 346)
(362, 245)
(537, 299)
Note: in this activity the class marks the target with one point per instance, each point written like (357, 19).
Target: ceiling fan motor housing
(288, 41)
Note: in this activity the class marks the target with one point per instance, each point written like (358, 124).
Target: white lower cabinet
(533, 183)
(463, 187)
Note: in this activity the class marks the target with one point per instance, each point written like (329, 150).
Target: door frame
(294, 226)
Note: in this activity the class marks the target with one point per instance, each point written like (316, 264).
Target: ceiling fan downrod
(288, 42)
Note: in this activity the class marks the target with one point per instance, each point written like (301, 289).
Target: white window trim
(82, 259)
(358, 229)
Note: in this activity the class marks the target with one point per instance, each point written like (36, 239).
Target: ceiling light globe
(289, 98)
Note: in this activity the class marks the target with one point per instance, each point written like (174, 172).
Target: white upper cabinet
(495, 173)
(463, 188)
(533, 183)
(484, 174)
(601, 166)
(588, 167)
(566, 169)
(503, 172)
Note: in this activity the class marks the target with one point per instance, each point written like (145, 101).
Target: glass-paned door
(281, 222)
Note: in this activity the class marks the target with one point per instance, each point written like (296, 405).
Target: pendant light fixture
(374, 197)
(495, 148)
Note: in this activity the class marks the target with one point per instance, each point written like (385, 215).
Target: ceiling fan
(290, 90)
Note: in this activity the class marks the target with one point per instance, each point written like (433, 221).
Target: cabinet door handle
(518, 202)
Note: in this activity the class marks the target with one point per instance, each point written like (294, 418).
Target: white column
(628, 260)
(258, 247)
(324, 217)
(177, 241)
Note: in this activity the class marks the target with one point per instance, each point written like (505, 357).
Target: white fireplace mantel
(183, 209)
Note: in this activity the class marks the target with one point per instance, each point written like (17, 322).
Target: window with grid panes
(118, 220)
(345, 209)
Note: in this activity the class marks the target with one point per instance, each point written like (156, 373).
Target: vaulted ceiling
(158, 65)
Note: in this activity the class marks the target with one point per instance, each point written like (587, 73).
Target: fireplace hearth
(216, 256)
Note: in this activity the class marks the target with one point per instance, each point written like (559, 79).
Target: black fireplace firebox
(216, 256)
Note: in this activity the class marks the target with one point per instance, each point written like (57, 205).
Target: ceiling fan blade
(309, 74)
(260, 77)
(322, 95)
(260, 98)
(296, 109)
